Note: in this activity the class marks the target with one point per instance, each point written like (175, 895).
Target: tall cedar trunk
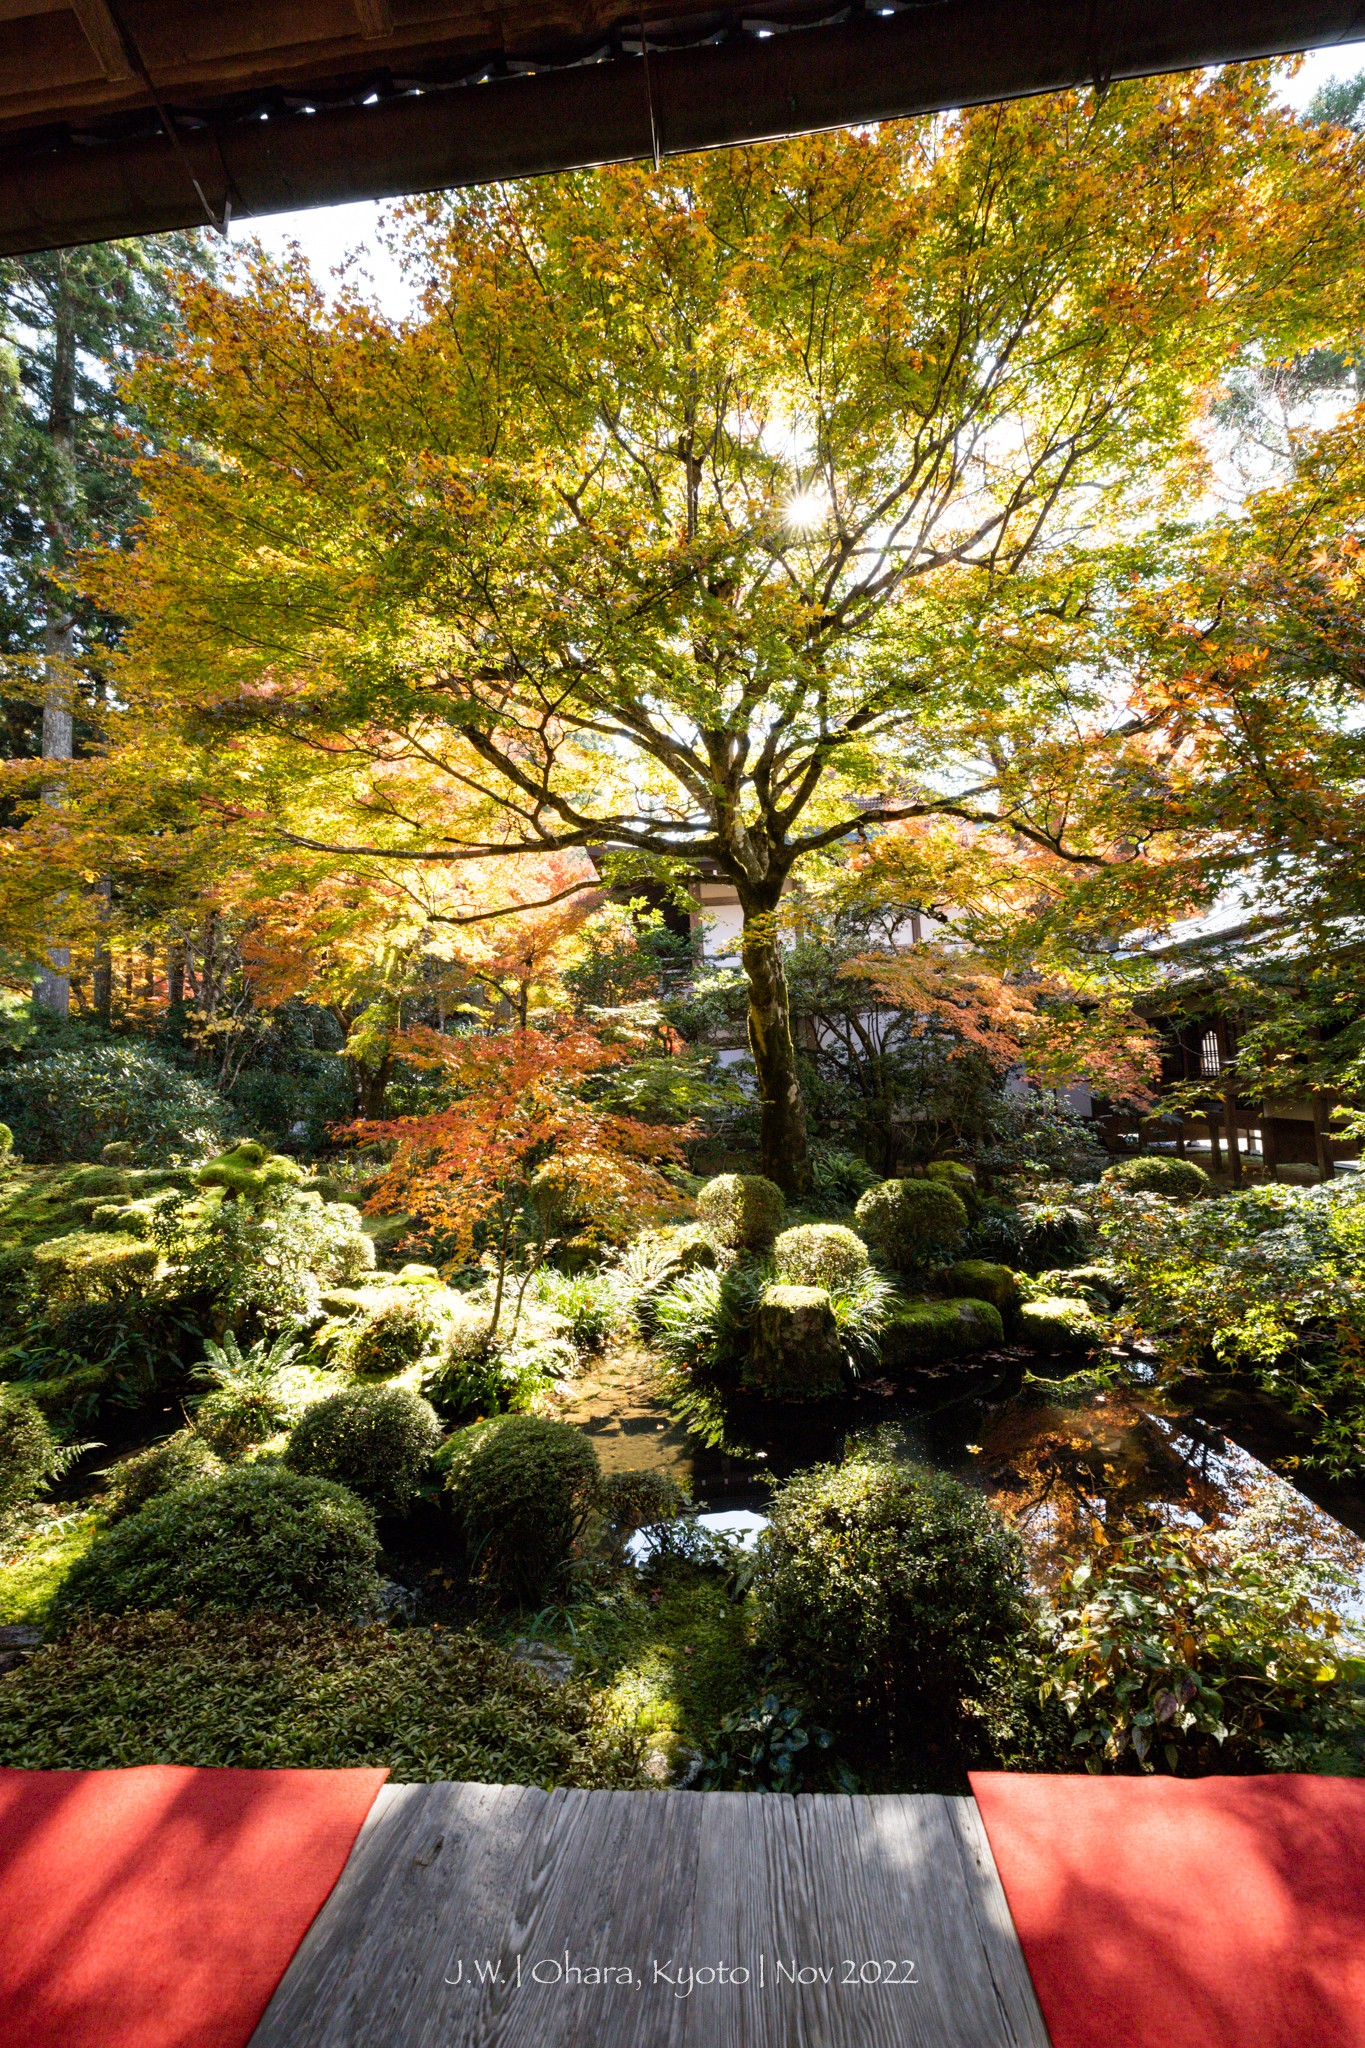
(782, 1115)
(53, 988)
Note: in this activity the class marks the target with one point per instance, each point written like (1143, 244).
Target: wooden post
(1215, 1151)
(1326, 1163)
(1229, 1103)
(1270, 1148)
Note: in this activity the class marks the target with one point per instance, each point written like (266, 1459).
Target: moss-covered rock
(982, 1280)
(93, 1265)
(922, 1334)
(1099, 1284)
(1060, 1323)
(913, 1225)
(820, 1255)
(742, 1211)
(794, 1352)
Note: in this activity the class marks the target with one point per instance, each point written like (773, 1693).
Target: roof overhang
(122, 117)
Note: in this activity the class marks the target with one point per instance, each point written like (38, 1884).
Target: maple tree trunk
(783, 1149)
(369, 1086)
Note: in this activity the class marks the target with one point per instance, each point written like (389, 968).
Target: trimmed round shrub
(379, 1441)
(71, 1104)
(402, 1330)
(522, 1487)
(912, 1224)
(950, 1173)
(6, 1141)
(981, 1280)
(1179, 1179)
(640, 1500)
(922, 1334)
(742, 1211)
(1060, 1323)
(886, 1591)
(820, 1255)
(28, 1450)
(259, 1536)
(181, 1460)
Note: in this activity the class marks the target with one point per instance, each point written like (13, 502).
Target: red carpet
(1187, 1913)
(158, 1908)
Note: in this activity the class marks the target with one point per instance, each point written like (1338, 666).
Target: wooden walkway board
(498, 1916)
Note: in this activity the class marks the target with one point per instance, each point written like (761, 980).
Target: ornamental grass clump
(743, 1212)
(912, 1225)
(259, 1536)
(820, 1255)
(522, 1489)
(378, 1441)
(1178, 1179)
(888, 1592)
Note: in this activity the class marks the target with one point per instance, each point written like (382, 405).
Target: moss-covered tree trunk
(782, 1115)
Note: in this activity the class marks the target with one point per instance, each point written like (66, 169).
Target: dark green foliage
(912, 1224)
(838, 1178)
(522, 1488)
(28, 1449)
(124, 1350)
(257, 1537)
(768, 1747)
(1060, 1323)
(399, 1332)
(72, 1103)
(887, 1592)
(741, 1211)
(921, 1334)
(379, 1441)
(820, 1255)
(1055, 1233)
(179, 1460)
(996, 1233)
(982, 1281)
(1180, 1179)
(289, 1692)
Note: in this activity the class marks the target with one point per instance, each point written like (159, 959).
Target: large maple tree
(681, 519)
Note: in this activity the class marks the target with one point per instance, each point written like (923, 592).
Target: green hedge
(277, 1692)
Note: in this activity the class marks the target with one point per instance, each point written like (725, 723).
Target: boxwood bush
(289, 1691)
(887, 1592)
(379, 1441)
(820, 1255)
(522, 1488)
(256, 1537)
(742, 1211)
(913, 1224)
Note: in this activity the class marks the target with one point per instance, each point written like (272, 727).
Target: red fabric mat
(1187, 1912)
(158, 1908)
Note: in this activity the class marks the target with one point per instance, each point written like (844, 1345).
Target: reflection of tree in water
(1072, 1478)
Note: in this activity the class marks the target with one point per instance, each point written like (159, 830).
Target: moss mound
(277, 1691)
(922, 1334)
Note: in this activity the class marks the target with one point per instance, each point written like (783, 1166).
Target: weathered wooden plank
(484, 1916)
(430, 1873)
(1008, 1968)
